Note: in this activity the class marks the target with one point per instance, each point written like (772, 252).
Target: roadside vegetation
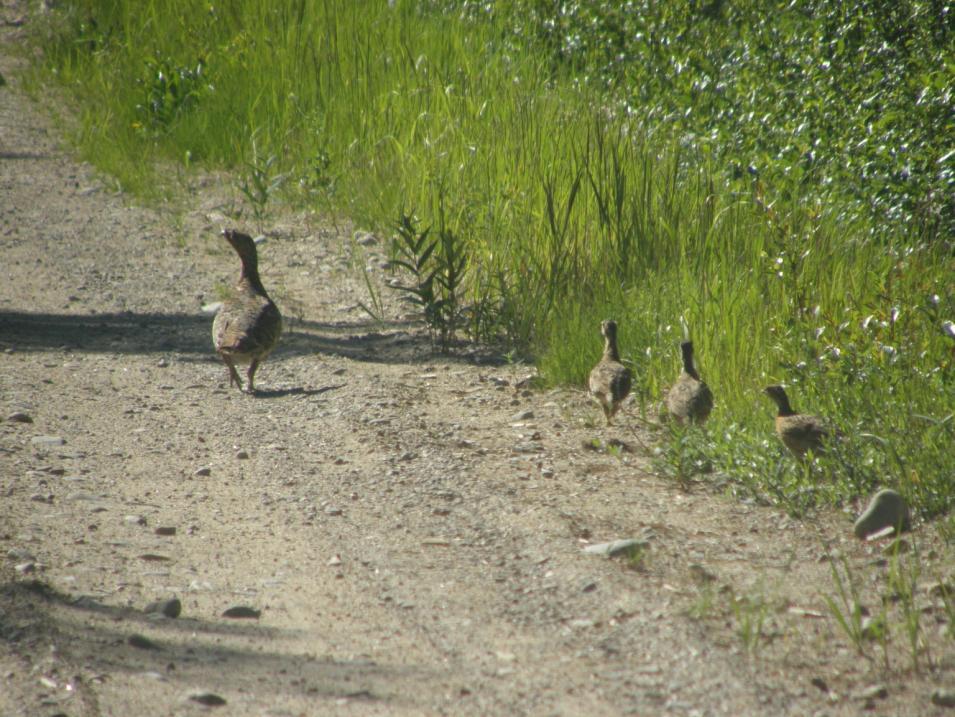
(775, 180)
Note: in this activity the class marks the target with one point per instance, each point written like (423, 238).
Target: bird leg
(234, 379)
(251, 374)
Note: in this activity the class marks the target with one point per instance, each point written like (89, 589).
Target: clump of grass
(902, 584)
(437, 268)
(260, 182)
(847, 607)
(750, 613)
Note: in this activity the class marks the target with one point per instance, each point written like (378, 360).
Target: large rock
(887, 509)
(627, 547)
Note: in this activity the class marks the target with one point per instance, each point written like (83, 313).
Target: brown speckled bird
(689, 400)
(799, 432)
(610, 380)
(248, 325)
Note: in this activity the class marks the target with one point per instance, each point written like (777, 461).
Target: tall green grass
(568, 211)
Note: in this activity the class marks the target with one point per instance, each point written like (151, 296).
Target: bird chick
(689, 400)
(610, 380)
(799, 432)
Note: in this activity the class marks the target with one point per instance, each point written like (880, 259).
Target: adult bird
(799, 432)
(610, 380)
(249, 325)
(689, 400)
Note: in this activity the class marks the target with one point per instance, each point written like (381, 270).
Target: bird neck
(688, 367)
(784, 408)
(250, 277)
(610, 350)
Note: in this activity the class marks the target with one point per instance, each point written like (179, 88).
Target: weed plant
(567, 199)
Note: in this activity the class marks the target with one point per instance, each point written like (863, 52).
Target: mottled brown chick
(799, 432)
(610, 380)
(249, 325)
(689, 400)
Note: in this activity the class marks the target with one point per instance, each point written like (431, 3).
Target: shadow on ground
(190, 651)
(131, 333)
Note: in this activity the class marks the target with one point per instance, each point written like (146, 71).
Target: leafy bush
(827, 100)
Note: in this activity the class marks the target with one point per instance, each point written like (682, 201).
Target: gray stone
(209, 699)
(873, 692)
(523, 416)
(887, 509)
(19, 417)
(242, 612)
(943, 697)
(142, 642)
(628, 547)
(204, 471)
(47, 441)
(170, 608)
(20, 554)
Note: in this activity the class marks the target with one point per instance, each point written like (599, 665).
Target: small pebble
(365, 238)
(155, 558)
(170, 608)
(19, 417)
(241, 455)
(163, 363)
(165, 530)
(523, 416)
(142, 642)
(47, 441)
(873, 692)
(135, 520)
(700, 574)
(242, 612)
(209, 699)
(204, 471)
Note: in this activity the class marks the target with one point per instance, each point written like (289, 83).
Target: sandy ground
(409, 526)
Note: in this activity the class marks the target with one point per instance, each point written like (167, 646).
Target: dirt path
(410, 526)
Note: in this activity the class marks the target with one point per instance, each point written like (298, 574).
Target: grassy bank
(554, 207)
